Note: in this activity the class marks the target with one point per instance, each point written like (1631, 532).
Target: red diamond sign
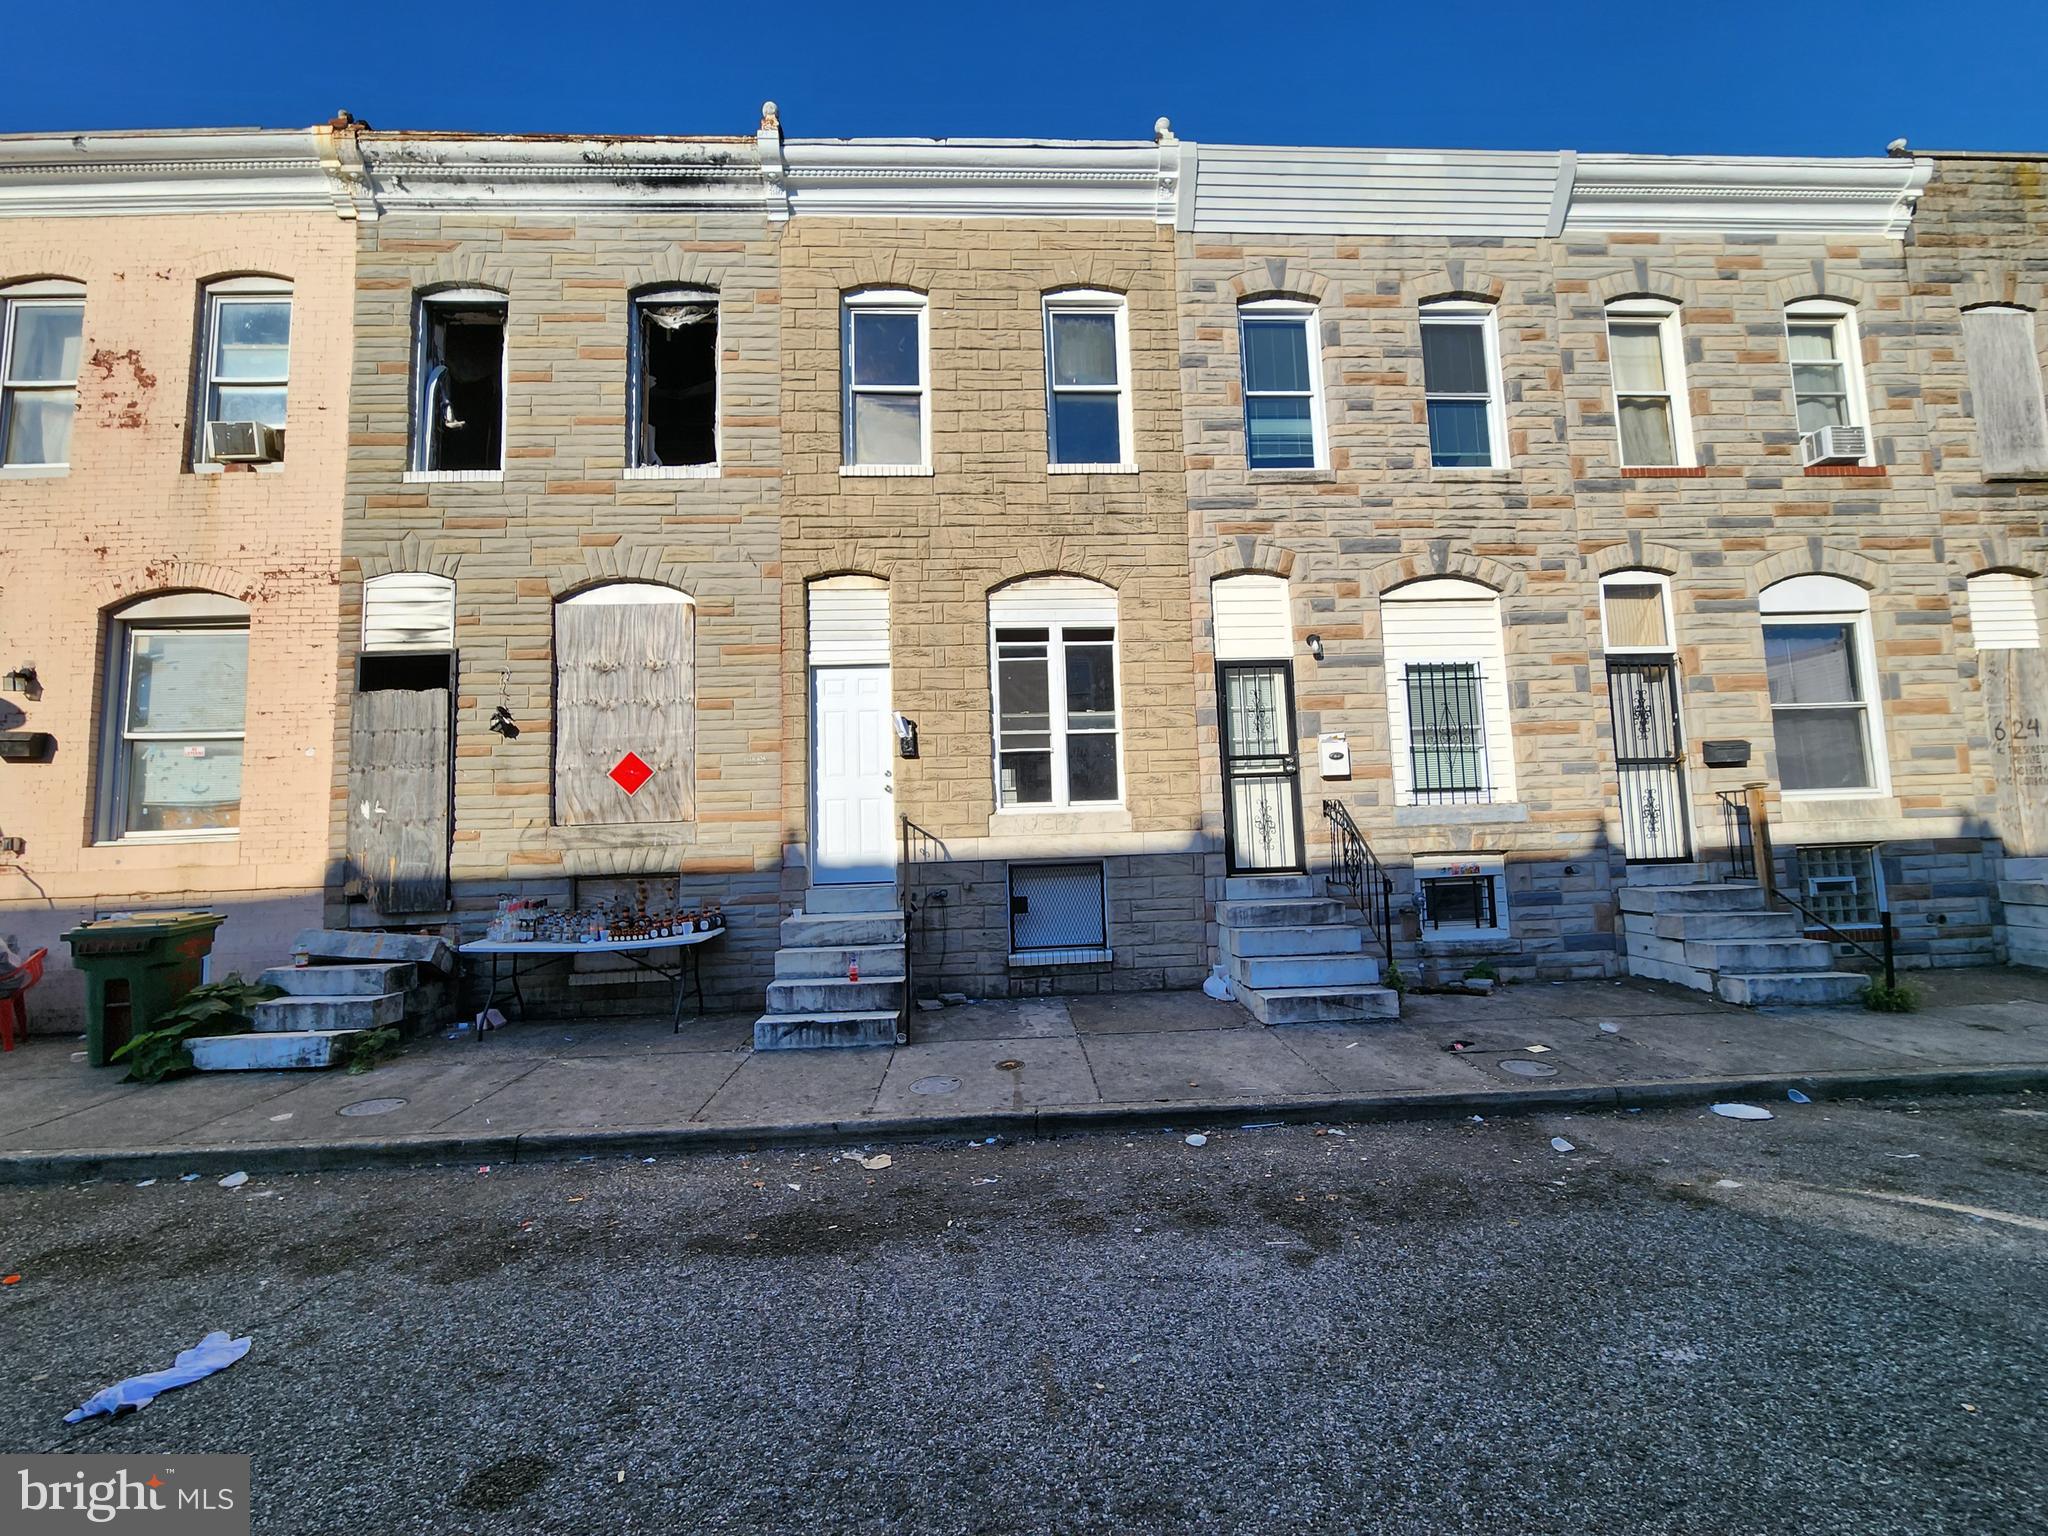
(630, 772)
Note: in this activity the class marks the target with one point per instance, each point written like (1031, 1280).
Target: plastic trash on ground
(1196, 1139)
(1218, 985)
(1742, 1112)
(234, 1181)
(215, 1352)
(1559, 1144)
(1796, 1096)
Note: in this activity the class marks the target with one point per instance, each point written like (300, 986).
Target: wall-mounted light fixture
(1315, 646)
(22, 680)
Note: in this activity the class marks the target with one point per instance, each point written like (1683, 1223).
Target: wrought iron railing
(1883, 956)
(1746, 823)
(1738, 836)
(1356, 875)
(920, 852)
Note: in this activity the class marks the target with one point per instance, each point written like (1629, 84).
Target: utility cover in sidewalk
(630, 772)
(936, 1085)
(372, 1107)
(1521, 1066)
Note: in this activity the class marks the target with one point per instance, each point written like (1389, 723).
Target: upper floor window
(1648, 368)
(1447, 694)
(1461, 386)
(1088, 369)
(42, 330)
(1820, 666)
(1827, 374)
(2005, 392)
(459, 379)
(178, 679)
(672, 380)
(244, 371)
(1056, 698)
(1283, 407)
(887, 420)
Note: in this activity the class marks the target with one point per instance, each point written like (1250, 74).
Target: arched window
(42, 332)
(1822, 671)
(1447, 693)
(1283, 395)
(177, 690)
(625, 705)
(1057, 706)
(1647, 362)
(1461, 385)
(2005, 611)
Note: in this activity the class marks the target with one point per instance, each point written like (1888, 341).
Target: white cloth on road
(215, 1352)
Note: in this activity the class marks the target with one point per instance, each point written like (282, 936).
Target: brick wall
(129, 520)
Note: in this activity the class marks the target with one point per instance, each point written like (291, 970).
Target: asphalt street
(1832, 1321)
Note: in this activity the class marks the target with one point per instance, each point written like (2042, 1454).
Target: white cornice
(1873, 197)
(429, 173)
(205, 171)
(981, 178)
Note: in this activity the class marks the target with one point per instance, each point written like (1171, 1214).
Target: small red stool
(14, 987)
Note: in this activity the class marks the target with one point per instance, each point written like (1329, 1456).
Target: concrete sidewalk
(1040, 1066)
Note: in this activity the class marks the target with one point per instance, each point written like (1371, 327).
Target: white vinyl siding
(2005, 392)
(2003, 612)
(849, 622)
(1252, 620)
(409, 611)
(1440, 621)
(1322, 191)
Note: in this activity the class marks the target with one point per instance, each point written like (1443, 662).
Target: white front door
(853, 820)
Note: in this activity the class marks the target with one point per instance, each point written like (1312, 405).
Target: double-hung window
(246, 367)
(672, 376)
(1283, 426)
(1461, 386)
(1648, 369)
(178, 679)
(42, 329)
(1820, 341)
(1088, 368)
(887, 419)
(1056, 693)
(1820, 665)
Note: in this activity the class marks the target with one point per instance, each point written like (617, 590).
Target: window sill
(34, 471)
(885, 471)
(168, 839)
(452, 477)
(1290, 476)
(1091, 469)
(205, 467)
(1039, 959)
(1060, 818)
(1459, 815)
(1477, 472)
(1847, 471)
(672, 472)
(1662, 472)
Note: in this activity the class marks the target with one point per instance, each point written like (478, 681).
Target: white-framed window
(886, 346)
(42, 335)
(1057, 694)
(1841, 884)
(1827, 365)
(1647, 362)
(2005, 391)
(1283, 397)
(459, 382)
(1461, 896)
(1447, 693)
(1635, 614)
(176, 690)
(1821, 668)
(1461, 386)
(2005, 612)
(1087, 382)
(672, 382)
(245, 360)
(625, 705)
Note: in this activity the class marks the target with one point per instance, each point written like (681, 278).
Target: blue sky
(1740, 78)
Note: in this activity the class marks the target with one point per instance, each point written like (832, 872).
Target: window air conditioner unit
(1834, 445)
(243, 442)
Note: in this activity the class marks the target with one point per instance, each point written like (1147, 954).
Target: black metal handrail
(1885, 934)
(919, 850)
(1356, 870)
(1738, 835)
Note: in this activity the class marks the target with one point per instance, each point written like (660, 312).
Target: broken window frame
(639, 464)
(219, 295)
(424, 307)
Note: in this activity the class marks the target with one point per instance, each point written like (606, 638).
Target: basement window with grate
(1058, 915)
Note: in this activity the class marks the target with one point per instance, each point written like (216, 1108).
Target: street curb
(24, 1168)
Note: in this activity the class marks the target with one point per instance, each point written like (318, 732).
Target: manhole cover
(936, 1085)
(1516, 1066)
(372, 1106)
(1010, 1065)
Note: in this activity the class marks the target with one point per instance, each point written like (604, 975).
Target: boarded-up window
(2002, 612)
(625, 706)
(409, 611)
(2005, 392)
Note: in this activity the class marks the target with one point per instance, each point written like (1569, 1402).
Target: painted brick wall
(129, 520)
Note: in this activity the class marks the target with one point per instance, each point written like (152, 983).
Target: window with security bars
(1057, 907)
(1446, 733)
(1841, 884)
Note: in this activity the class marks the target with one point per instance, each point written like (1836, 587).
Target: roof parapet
(1746, 195)
(222, 170)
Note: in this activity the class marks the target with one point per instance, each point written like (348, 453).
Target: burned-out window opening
(460, 423)
(411, 672)
(675, 380)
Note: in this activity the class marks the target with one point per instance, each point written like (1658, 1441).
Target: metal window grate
(1462, 901)
(1057, 907)
(1839, 884)
(1446, 733)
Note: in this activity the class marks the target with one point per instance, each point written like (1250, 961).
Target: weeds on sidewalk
(1891, 997)
(218, 1008)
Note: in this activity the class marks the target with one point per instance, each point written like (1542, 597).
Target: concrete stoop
(1292, 957)
(1724, 939)
(813, 1003)
(2023, 892)
(361, 982)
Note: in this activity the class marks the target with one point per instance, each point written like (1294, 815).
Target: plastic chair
(14, 987)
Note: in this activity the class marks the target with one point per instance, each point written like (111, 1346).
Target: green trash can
(136, 967)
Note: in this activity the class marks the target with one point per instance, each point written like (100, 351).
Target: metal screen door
(1649, 751)
(1261, 772)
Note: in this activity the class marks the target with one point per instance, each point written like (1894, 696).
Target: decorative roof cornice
(469, 173)
(1745, 195)
(981, 178)
(227, 170)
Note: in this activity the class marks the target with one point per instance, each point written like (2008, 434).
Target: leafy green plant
(1485, 970)
(218, 1008)
(1889, 997)
(371, 1048)
(1395, 979)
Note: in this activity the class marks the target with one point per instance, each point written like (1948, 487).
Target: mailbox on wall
(1725, 754)
(1333, 755)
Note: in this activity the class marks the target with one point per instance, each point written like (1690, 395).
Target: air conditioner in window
(243, 442)
(1835, 445)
